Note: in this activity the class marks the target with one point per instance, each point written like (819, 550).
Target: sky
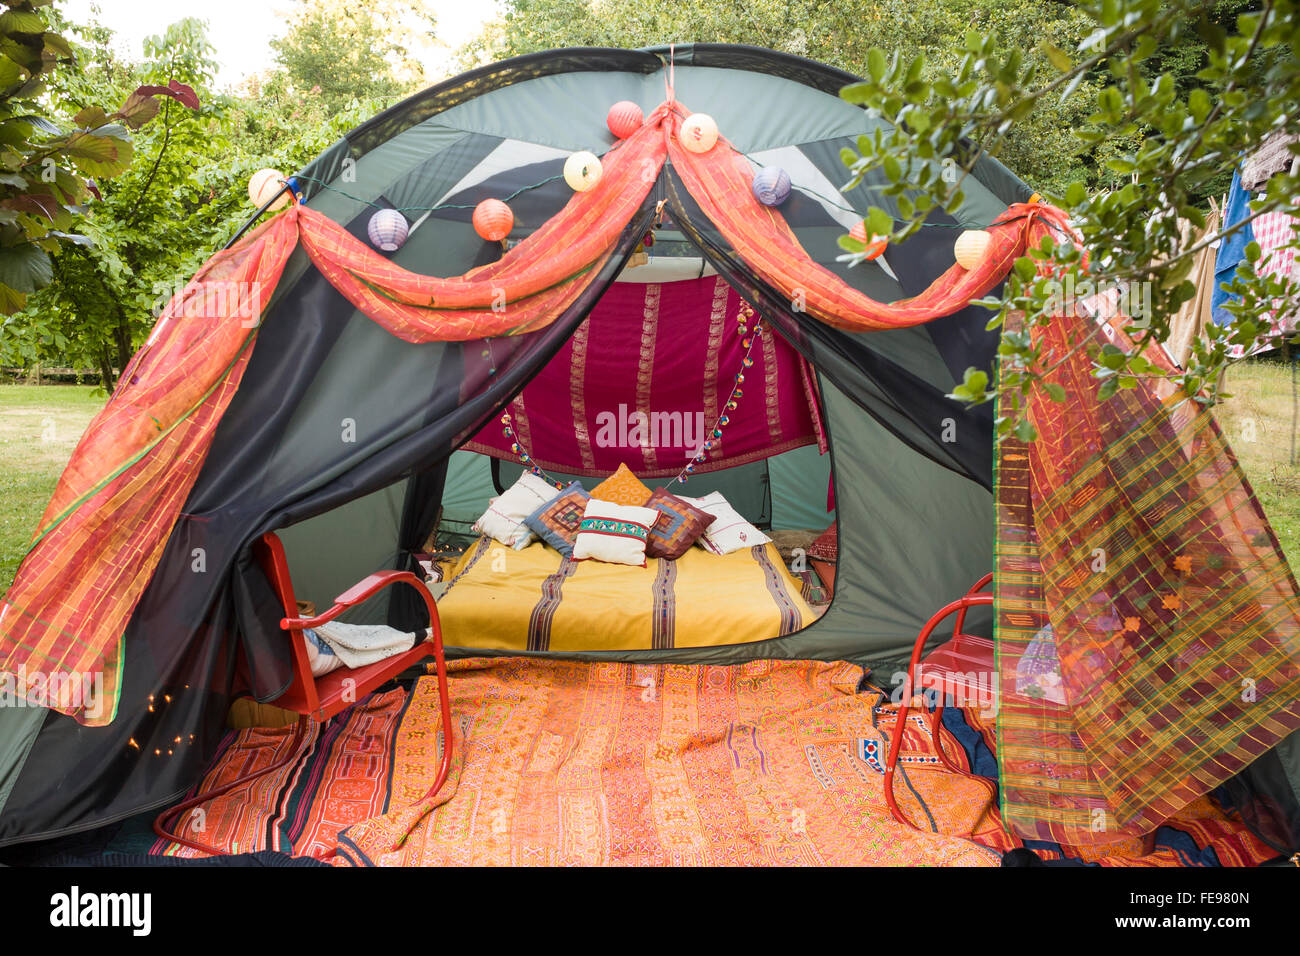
(241, 29)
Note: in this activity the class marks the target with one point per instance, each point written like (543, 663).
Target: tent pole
(252, 219)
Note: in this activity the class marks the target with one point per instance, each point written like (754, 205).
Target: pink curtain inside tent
(645, 380)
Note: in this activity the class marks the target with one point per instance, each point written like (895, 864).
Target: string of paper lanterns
(493, 219)
(624, 119)
(698, 133)
(388, 230)
(771, 185)
(582, 171)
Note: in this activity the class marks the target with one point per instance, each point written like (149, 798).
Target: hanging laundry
(1232, 249)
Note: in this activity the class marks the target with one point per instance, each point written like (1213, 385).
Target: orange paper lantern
(875, 246)
(493, 220)
(624, 119)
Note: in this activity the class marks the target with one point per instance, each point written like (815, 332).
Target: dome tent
(340, 342)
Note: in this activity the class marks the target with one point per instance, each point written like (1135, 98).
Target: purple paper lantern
(771, 185)
(388, 230)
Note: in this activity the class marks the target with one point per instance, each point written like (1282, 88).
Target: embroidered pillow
(504, 518)
(827, 546)
(622, 488)
(614, 533)
(729, 531)
(556, 522)
(679, 526)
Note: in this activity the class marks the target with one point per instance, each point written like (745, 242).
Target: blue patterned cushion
(556, 522)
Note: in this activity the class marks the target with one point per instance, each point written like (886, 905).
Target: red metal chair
(952, 668)
(320, 698)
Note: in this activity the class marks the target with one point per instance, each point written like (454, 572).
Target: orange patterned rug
(776, 762)
(340, 777)
(564, 763)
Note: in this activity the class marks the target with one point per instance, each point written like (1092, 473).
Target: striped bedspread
(537, 600)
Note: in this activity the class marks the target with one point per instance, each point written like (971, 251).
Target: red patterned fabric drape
(645, 379)
(1147, 621)
(522, 291)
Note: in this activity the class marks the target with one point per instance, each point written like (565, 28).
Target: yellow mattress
(537, 600)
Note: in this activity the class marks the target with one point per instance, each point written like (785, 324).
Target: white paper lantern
(582, 171)
(971, 248)
(698, 133)
(388, 230)
(264, 184)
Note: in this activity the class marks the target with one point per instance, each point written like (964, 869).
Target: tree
(344, 52)
(46, 165)
(183, 197)
(1183, 137)
(840, 34)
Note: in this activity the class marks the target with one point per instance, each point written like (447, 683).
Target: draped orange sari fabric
(104, 531)
(522, 291)
(768, 245)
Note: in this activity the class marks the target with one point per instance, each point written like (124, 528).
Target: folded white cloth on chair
(320, 656)
(360, 644)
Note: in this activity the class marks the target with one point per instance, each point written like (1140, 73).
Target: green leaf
(1059, 58)
(876, 64)
(1054, 391)
(11, 73)
(25, 268)
(97, 154)
(1025, 430)
(91, 117)
(1112, 356)
(21, 21)
(858, 93)
(879, 222)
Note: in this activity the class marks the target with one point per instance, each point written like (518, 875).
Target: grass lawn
(1259, 420)
(40, 425)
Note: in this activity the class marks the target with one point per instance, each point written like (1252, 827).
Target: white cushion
(504, 518)
(729, 531)
(614, 533)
